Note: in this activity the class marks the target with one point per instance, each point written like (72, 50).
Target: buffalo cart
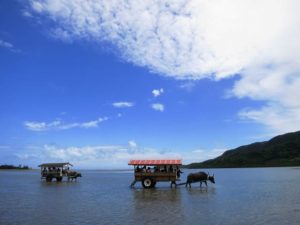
(50, 171)
(149, 172)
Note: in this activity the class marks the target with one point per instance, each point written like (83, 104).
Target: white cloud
(9, 46)
(27, 14)
(109, 156)
(6, 44)
(35, 126)
(132, 144)
(188, 86)
(123, 104)
(157, 92)
(99, 156)
(158, 107)
(280, 89)
(59, 125)
(195, 39)
(185, 39)
(93, 123)
(61, 34)
(274, 116)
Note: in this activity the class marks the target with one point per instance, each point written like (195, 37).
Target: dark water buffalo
(72, 175)
(199, 177)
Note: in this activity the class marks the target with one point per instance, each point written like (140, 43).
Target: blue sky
(98, 90)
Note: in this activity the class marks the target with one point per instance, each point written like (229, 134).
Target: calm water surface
(240, 196)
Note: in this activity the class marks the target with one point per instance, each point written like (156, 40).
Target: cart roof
(155, 162)
(55, 164)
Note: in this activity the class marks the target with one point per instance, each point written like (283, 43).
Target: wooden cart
(50, 171)
(149, 172)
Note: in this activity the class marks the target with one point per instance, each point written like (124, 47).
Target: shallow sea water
(240, 196)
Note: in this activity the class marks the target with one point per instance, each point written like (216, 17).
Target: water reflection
(58, 184)
(162, 194)
(157, 206)
(202, 190)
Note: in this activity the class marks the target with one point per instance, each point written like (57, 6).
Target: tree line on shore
(9, 167)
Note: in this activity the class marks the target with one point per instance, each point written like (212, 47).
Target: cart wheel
(58, 179)
(147, 183)
(49, 178)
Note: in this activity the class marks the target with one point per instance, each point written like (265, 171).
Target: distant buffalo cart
(149, 172)
(50, 171)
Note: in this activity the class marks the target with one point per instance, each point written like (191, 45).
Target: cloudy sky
(100, 82)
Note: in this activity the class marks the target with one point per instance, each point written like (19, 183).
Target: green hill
(282, 150)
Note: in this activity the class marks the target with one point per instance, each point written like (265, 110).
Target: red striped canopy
(154, 162)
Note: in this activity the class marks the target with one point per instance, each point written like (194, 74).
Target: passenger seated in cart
(164, 169)
(148, 170)
(138, 169)
(44, 171)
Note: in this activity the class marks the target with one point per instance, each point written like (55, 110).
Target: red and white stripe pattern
(154, 162)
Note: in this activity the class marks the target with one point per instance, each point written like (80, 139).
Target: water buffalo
(72, 175)
(199, 177)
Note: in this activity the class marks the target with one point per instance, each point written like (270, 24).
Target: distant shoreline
(12, 167)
